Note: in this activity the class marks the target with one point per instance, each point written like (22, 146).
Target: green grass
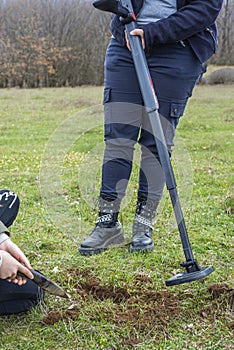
(51, 152)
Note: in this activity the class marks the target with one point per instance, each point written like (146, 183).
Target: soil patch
(224, 294)
(218, 290)
(138, 305)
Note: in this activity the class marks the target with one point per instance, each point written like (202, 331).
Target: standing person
(178, 36)
(17, 294)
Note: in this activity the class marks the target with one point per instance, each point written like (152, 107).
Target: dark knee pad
(9, 207)
(16, 299)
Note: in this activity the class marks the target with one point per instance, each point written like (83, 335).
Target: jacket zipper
(210, 31)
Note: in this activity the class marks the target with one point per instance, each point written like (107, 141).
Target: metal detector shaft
(151, 105)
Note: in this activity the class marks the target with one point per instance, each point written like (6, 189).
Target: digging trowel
(46, 284)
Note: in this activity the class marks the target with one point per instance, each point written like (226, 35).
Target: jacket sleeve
(187, 21)
(4, 229)
(3, 238)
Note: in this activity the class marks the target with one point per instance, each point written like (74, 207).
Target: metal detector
(124, 10)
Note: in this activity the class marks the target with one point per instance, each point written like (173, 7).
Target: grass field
(51, 151)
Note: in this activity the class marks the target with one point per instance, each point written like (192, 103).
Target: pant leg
(15, 299)
(123, 118)
(174, 70)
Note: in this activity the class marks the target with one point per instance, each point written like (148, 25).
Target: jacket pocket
(214, 39)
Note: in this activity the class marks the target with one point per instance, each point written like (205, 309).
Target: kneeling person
(17, 294)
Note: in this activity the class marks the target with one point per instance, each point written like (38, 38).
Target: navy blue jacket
(194, 21)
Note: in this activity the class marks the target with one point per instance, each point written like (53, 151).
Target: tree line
(45, 43)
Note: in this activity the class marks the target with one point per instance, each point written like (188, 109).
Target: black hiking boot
(142, 226)
(107, 231)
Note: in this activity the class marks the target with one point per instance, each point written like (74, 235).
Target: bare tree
(225, 53)
(52, 43)
(63, 42)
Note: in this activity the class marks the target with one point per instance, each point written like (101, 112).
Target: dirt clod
(52, 317)
(218, 289)
(223, 291)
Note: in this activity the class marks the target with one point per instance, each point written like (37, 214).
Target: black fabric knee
(9, 207)
(16, 299)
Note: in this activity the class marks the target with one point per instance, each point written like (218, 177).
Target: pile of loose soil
(137, 305)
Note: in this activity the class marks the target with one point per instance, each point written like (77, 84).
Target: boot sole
(97, 250)
(139, 249)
